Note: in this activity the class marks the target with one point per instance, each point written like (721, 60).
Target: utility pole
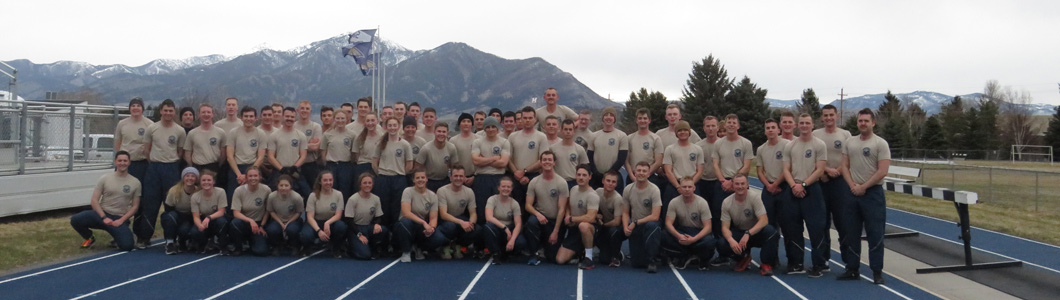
(842, 121)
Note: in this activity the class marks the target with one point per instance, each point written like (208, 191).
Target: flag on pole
(366, 63)
(363, 49)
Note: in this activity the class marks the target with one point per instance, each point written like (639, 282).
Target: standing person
(408, 134)
(640, 216)
(277, 115)
(518, 120)
(569, 154)
(732, 155)
(551, 129)
(458, 213)
(787, 125)
(249, 211)
(115, 199)
(503, 223)
(607, 148)
(546, 204)
(609, 238)
(508, 121)
(496, 113)
(866, 160)
(163, 141)
(833, 185)
(327, 118)
(480, 118)
(399, 110)
(744, 224)
(688, 224)
(266, 120)
(176, 221)
(347, 108)
(419, 219)
(245, 147)
(645, 146)
(776, 193)
(464, 141)
(804, 161)
(552, 108)
(490, 155)
(323, 217)
(130, 136)
(705, 185)
(437, 156)
(364, 108)
(312, 164)
(285, 224)
(231, 119)
(337, 150)
(287, 152)
(430, 118)
(394, 161)
(680, 160)
(581, 218)
(527, 147)
(414, 112)
(187, 119)
(208, 208)
(366, 148)
(204, 148)
(367, 238)
(386, 112)
(669, 134)
(582, 136)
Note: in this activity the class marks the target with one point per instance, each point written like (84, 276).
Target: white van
(98, 147)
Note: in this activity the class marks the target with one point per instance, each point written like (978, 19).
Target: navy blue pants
(496, 240)
(408, 232)
(278, 236)
(835, 198)
(667, 194)
(454, 232)
(344, 180)
(233, 181)
(644, 243)
(138, 169)
(337, 238)
(537, 236)
(83, 222)
(868, 212)
(703, 248)
(519, 192)
(360, 250)
(310, 170)
(609, 241)
(217, 228)
(766, 239)
(176, 225)
(485, 186)
(775, 208)
(809, 210)
(434, 185)
(357, 171)
(705, 189)
(389, 189)
(239, 232)
(160, 177)
(715, 202)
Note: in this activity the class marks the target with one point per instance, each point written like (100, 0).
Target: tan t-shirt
(339, 144)
(486, 148)
(568, 157)
(527, 148)
(865, 155)
(771, 157)
(688, 214)
(392, 159)
(457, 204)
(368, 150)
(605, 147)
(708, 161)
(285, 206)
(287, 145)
(416, 143)
(669, 137)
(246, 144)
(641, 201)
(437, 160)
(117, 193)
(310, 130)
(181, 202)
(504, 210)
(562, 113)
(165, 142)
(422, 204)
(683, 160)
(205, 144)
(325, 206)
(205, 206)
(427, 134)
(731, 154)
(132, 135)
(362, 210)
(804, 157)
(643, 147)
(583, 137)
(252, 204)
(743, 214)
(547, 194)
(834, 143)
(610, 206)
(463, 149)
(581, 201)
(227, 126)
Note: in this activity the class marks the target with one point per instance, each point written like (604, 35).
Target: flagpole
(378, 30)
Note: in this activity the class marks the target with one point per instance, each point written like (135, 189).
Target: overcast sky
(614, 47)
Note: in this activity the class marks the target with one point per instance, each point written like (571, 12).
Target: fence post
(990, 183)
(1036, 187)
(22, 150)
(70, 146)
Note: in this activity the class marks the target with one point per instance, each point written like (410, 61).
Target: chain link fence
(42, 137)
(1020, 189)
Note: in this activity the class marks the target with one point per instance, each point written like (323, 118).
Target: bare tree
(1017, 123)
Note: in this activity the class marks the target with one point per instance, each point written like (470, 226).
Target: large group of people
(532, 183)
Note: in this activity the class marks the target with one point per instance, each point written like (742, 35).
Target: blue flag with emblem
(363, 49)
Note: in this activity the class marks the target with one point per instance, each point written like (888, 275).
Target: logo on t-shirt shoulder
(611, 141)
(294, 142)
(553, 193)
(213, 141)
(780, 154)
(581, 203)
(258, 201)
(346, 141)
(866, 152)
(290, 208)
(692, 156)
(140, 131)
(747, 212)
(447, 159)
(172, 139)
(398, 152)
(647, 145)
(531, 145)
(573, 157)
(838, 144)
(463, 202)
(737, 152)
(308, 132)
(695, 216)
(334, 206)
(646, 202)
(496, 150)
(809, 153)
(253, 143)
(126, 189)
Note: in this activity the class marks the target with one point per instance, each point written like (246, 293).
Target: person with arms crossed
(115, 199)
(866, 160)
(490, 155)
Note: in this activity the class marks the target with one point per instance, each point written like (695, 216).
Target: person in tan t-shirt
(114, 200)
(866, 160)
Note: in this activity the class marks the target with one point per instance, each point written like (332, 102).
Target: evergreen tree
(954, 124)
(1052, 135)
(974, 138)
(748, 101)
(932, 137)
(852, 125)
(809, 104)
(891, 107)
(987, 122)
(654, 101)
(705, 92)
(916, 118)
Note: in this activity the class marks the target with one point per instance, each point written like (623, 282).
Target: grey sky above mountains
(614, 47)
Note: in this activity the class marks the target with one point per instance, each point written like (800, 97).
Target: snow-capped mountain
(931, 102)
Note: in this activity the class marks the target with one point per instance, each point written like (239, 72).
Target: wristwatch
(803, 184)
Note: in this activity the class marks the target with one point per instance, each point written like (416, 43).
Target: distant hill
(931, 102)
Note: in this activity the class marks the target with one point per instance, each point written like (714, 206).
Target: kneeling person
(581, 217)
(114, 200)
(744, 224)
(688, 222)
(458, 211)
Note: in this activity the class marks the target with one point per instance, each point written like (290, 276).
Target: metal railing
(44, 137)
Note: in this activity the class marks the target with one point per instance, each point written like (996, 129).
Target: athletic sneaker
(689, 261)
(143, 244)
(849, 275)
(499, 259)
(586, 264)
(447, 252)
(533, 261)
(826, 269)
(171, 248)
(814, 272)
(615, 263)
(419, 253)
(458, 252)
(795, 269)
(652, 267)
(679, 263)
(766, 270)
(720, 261)
(877, 277)
(88, 242)
(742, 265)
(406, 257)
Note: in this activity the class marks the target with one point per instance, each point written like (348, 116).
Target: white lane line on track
(866, 278)
(262, 276)
(682, 280)
(366, 280)
(983, 229)
(142, 277)
(984, 250)
(474, 281)
(792, 290)
(580, 272)
(70, 265)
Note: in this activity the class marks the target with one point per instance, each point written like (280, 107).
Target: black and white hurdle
(961, 200)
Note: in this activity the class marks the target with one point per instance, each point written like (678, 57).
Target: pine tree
(954, 124)
(973, 139)
(654, 101)
(748, 101)
(916, 118)
(1052, 135)
(810, 104)
(987, 122)
(705, 92)
(852, 125)
(932, 137)
(891, 107)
